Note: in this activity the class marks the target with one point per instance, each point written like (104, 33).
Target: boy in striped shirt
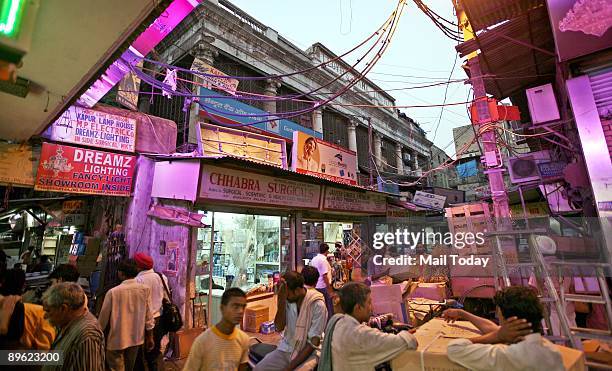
(223, 347)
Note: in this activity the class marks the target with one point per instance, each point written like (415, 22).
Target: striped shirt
(215, 351)
(82, 344)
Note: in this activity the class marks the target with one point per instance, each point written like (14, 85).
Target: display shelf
(268, 263)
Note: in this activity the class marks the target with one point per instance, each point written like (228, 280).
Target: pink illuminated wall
(156, 32)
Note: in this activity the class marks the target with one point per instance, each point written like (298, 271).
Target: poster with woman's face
(308, 155)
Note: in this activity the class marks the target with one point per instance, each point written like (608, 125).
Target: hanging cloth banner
(177, 216)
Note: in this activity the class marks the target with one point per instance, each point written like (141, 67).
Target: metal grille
(335, 128)
(233, 68)
(290, 105)
(363, 147)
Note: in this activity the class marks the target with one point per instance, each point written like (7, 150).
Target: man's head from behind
(324, 248)
(311, 276)
(295, 286)
(127, 269)
(12, 282)
(521, 302)
(63, 302)
(233, 303)
(64, 273)
(356, 301)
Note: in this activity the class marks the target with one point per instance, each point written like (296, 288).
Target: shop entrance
(247, 249)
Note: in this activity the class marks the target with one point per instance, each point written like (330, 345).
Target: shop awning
(483, 14)
(515, 55)
(177, 216)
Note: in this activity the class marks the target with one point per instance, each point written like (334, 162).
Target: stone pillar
(399, 159)
(207, 53)
(352, 136)
(271, 90)
(415, 158)
(378, 151)
(317, 121)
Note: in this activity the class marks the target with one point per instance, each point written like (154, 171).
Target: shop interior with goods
(248, 251)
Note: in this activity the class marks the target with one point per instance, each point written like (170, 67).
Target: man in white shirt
(301, 315)
(511, 346)
(325, 271)
(147, 276)
(356, 346)
(126, 311)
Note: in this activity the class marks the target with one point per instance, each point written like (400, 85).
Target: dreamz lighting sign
(78, 170)
(316, 157)
(94, 128)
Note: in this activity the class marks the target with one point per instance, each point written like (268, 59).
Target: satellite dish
(546, 245)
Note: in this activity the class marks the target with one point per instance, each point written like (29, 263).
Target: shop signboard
(236, 186)
(231, 111)
(580, 27)
(94, 128)
(218, 80)
(429, 200)
(216, 141)
(79, 170)
(17, 164)
(74, 219)
(72, 206)
(337, 199)
(317, 157)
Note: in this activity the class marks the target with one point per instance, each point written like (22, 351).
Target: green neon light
(10, 16)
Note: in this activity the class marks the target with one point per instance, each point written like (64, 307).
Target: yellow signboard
(221, 141)
(18, 164)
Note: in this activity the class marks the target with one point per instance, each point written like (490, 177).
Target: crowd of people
(317, 332)
(125, 336)
(341, 340)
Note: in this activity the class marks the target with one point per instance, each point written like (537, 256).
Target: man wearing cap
(153, 280)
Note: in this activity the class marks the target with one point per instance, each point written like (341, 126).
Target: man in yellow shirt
(223, 347)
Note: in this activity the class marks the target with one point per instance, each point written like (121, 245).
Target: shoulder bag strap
(164, 284)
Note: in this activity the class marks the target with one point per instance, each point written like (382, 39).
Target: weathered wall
(143, 234)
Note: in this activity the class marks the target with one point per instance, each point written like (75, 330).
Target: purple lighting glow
(156, 32)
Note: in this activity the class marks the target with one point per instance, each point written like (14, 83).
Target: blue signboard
(230, 107)
(467, 169)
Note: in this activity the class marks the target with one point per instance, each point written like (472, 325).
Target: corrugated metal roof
(514, 66)
(486, 13)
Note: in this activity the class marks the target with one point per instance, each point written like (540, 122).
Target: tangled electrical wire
(440, 22)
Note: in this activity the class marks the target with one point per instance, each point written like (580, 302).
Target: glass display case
(245, 249)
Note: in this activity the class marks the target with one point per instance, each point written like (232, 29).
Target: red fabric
(143, 261)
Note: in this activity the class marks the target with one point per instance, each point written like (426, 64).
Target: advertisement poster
(429, 200)
(344, 200)
(218, 81)
(94, 128)
(172, 250)
(78, 170)
(317, 157)
(223, 184)
(129, 86)
(17, 164)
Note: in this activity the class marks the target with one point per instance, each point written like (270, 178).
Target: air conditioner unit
(525, 168)
(542, 104)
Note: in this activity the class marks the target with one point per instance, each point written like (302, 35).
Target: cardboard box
(183, 340)
(432, 291)
(254, 317)
(388, 299)
(432, 349)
